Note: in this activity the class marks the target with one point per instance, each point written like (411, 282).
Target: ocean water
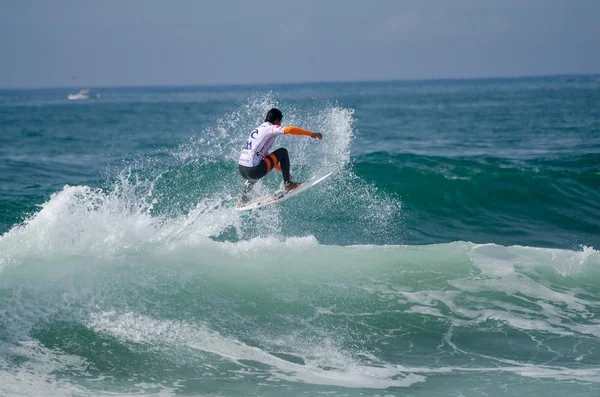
(454, 252)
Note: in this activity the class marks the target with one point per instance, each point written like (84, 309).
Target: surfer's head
(274, 116)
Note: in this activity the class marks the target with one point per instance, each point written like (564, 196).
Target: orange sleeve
(296, 131)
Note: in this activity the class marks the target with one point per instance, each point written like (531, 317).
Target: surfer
(254, 161)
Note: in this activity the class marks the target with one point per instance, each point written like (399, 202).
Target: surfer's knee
(281, 153)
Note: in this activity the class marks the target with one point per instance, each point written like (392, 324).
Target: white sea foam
(142, 329)
(39, 369)
(342, 371)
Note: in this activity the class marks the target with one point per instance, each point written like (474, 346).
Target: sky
(85, 43)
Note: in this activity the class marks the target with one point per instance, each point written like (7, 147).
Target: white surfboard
(281, 195)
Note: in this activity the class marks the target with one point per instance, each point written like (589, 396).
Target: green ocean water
(452, 253)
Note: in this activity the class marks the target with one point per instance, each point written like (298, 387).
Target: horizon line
(263, 84)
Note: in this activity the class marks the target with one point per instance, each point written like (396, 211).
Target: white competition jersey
(258, 144)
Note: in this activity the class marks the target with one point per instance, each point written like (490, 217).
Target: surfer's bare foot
(291, 186)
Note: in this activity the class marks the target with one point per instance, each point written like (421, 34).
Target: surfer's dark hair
(274, 114)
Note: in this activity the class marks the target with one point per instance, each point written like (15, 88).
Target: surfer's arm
(300, 131)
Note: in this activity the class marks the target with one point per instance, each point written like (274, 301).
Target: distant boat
(83, 94)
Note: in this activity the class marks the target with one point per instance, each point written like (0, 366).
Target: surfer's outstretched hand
(317, 135)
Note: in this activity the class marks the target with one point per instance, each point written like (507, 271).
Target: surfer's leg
(251, 176)
(248, 184)
(281, 158)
